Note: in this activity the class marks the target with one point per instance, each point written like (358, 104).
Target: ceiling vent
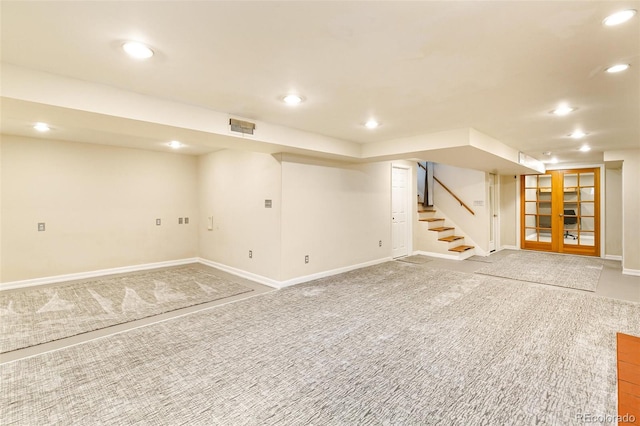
(244, 127)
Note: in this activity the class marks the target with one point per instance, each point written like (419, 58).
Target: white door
(399, 211)
(494, 225)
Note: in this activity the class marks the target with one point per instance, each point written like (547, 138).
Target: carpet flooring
(577, 272)
(32, 316)
(483, 259)
(392, 344)
(416, 259)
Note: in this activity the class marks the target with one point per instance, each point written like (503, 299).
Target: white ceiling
(417, 67)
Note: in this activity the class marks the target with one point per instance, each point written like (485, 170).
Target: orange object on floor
(628, 379)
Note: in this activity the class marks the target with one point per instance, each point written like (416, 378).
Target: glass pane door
(537, 212)
(580, 211)
(560, 211)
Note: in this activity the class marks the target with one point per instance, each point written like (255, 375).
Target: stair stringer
(426, 241)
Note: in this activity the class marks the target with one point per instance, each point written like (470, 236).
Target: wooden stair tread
(460, 249)
(426, 211)
(451, 238)
(431, 219)
(441, 228)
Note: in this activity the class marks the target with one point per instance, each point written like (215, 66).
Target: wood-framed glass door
(560, 211)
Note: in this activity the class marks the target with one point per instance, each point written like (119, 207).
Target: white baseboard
(634, 272)
(92, 274)
(293, 281)
(509, 248)
(613, 257)
(241, 273)
(238, 272)
(438, 255)
(304, 279)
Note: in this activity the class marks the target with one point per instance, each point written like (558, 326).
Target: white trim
(634, 272)
(293, 281)
(477, 250)
(241, 273)
(331, 272)
(613, 257)
(508, 247)
(461, 256)
(238, 272)
(518, 212)
(496, 204)
(92, 274)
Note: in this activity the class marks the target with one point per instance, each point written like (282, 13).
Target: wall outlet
(250, 254)
(41, 226)
(268, 204)
(186, 220)
(306, 259)
(180, 221)
(380, 243)
(158, 222)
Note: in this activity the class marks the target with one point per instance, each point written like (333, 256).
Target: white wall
(232, 189)
(99, 204)
(335, 213)
(613, 212)
(470, 186)
(630, 207)
(630, 212)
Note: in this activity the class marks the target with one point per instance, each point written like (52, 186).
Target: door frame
(603, 196)
(411, 212)
(599, 206)
(494, 211)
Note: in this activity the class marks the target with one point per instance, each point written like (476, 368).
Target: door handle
(561, 215)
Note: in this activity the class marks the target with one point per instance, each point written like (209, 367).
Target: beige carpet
(37, 315)
(577, 272)
(387, 345)
(415, 259)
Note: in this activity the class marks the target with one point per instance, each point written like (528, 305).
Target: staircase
(446, 235)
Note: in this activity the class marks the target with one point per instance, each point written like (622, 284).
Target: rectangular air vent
(240, 126)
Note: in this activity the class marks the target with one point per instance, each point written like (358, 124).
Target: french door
(560, 211)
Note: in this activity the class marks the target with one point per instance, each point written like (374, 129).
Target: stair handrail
(454, 196)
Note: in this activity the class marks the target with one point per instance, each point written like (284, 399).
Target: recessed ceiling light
(42, 127)
(577, 134)
(371, 124)
(546, 153)
(563, 110)
(137, 50)
(292, 99)
(619, 17)
(175, 144)
(585, 148)
(618, 68)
